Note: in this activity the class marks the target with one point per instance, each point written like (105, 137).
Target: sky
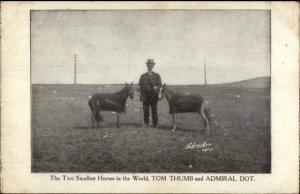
(113, 46)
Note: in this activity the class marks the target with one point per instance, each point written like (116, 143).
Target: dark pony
(179, 103)
(115, 102)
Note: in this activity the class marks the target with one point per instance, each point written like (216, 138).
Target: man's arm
(158, 80)
(158, 83)
(139, 85)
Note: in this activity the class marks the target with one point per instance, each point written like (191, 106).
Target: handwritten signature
(205, 147)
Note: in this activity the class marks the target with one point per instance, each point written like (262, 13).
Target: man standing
(149, 85)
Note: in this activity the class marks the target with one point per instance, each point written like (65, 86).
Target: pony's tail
(207, 111)
(95, 110)
(207, 114)
(98, 116)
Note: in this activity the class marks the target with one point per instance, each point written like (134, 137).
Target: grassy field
(63, 141)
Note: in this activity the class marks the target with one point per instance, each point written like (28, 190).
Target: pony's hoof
(173, 130)
(207, 131)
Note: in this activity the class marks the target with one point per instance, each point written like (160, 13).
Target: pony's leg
(93, 119)
(204, 117)
(98, 124)
(173, 122)
(98, 121)
(118, 120)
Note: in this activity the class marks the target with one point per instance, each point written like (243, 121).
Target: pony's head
(162, 92)
(130, 89)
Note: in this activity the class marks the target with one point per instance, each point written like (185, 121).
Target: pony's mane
(124, 92)
(125, 88)
(168, 93)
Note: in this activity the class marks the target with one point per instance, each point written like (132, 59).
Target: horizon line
(163, 83)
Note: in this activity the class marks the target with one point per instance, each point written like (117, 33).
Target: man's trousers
(146, 106)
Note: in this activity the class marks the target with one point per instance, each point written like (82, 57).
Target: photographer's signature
(205, 147)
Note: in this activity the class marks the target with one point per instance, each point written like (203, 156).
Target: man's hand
(156, 89)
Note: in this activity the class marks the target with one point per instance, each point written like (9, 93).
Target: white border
(16, 173)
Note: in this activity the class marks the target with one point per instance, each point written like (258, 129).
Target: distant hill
(261, 82)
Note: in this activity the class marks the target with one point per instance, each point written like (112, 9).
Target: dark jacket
(147, 83)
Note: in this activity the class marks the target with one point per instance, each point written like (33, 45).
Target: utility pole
(75, 69)
(205, 72)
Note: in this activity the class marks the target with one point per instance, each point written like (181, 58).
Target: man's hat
(150, 61)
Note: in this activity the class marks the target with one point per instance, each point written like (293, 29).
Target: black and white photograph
(149, 97)
(150, 91)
